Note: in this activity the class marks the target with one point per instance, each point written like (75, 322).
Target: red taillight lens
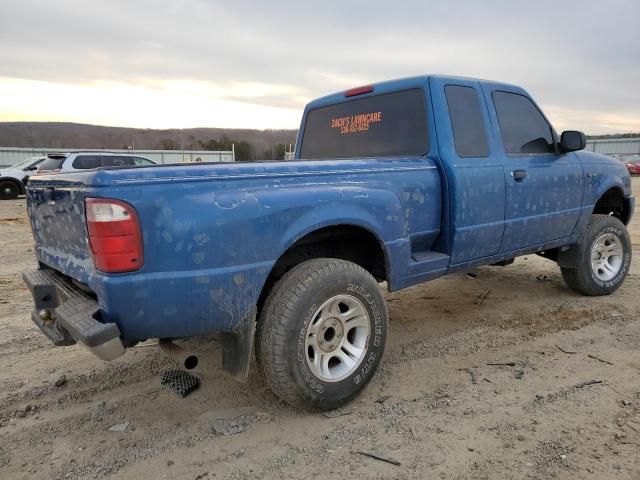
(114, 235)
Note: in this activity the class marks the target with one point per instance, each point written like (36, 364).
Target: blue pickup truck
(399, 182)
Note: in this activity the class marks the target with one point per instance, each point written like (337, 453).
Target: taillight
(114, 235)
(359, 91)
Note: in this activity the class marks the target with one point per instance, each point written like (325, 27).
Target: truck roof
(402, 84)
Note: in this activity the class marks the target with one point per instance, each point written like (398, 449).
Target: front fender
(603, 173)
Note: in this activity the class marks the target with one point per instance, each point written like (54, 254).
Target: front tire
(9, 190)
(322, 334)
(604, 260)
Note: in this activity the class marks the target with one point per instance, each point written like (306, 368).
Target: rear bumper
(66, 315)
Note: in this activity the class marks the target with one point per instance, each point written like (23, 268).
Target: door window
(524, 130)
(142, 161)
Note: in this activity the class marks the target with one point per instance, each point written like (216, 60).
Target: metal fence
(10, 155)
(611, 146)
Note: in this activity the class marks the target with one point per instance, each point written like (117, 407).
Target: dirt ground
(439, 407)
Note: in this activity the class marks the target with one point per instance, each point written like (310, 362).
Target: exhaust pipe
(182, 357)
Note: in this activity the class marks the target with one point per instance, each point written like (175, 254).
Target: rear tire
(9, 190)
(604, 260)
(322, 333)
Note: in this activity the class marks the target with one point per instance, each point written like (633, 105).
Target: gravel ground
(436, 408)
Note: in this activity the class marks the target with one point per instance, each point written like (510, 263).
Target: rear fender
(384, 218)
(384, 213)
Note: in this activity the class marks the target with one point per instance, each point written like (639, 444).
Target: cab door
(543, 187)
(475, 187)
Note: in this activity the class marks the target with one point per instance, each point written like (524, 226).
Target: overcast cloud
(255, 64)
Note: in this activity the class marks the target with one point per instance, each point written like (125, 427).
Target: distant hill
(77, 135)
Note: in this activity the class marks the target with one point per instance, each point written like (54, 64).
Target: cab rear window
(386, 125)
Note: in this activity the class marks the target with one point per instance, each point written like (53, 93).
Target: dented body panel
(212, 233)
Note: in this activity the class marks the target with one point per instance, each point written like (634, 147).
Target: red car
(633, 164)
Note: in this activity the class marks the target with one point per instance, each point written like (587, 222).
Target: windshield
(28, 162)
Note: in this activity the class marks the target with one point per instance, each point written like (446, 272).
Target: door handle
(519, 175)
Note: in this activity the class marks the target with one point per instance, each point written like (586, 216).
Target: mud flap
(237, 347)
(572, 257)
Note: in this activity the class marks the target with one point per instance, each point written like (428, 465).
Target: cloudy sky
(187, 63)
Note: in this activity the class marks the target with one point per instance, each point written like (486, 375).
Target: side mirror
(572, 140)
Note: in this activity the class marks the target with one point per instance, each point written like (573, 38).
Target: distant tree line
(244, 151)
(614, 135)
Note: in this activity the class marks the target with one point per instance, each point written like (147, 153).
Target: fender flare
(571, 257)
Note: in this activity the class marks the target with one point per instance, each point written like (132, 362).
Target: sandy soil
(436, 406)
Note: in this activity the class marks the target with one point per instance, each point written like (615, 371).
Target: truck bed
(212, 232)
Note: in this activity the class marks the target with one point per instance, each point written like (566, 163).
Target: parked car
(402, 181)
(70, 161)
(632, 162)
(14, 178)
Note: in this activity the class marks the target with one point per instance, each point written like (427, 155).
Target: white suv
(14, 178)
(73, 161)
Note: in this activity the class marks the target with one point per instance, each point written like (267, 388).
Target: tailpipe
(182, 357)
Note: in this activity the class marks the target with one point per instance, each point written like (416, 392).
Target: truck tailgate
(56, 212)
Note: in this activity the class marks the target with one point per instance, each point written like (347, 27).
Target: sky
(242, 64)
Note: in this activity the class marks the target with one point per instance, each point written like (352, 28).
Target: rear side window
(469, 133)
(84, 162)
(116, 161)
(524, 130)
(142, 161)
(386, 125)
(52, 163)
